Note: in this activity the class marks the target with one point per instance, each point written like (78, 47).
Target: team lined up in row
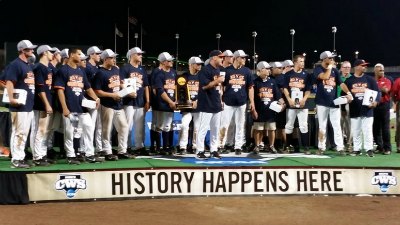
(219, 91)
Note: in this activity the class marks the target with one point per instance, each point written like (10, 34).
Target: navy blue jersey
(54, 69)
(129, 71)
(237, 82)
(265, 92)
(108, 80)
(43, 83)
(297, 81)
(20, 73)
(91, 71)
(209, 100)
(326, 89)
(357, 86)
(73, 82)
(153, 100)
(164, 82)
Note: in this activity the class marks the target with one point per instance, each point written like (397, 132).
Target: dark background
(370, 26)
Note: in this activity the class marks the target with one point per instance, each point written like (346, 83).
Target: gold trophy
(182, 94)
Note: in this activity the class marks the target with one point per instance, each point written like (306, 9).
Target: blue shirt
(209, 100)
(73, 82)
(297, 81)
(265, 92)
(357, 86)
(91, 71)
(327, 89)
(237, 82)
(129, 71)
(20, 73)
(164, 82)
(108, 80)
(43, 82)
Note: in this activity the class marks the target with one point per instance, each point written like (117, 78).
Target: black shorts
(280, 120)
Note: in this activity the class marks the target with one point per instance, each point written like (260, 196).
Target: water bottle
(74, 118)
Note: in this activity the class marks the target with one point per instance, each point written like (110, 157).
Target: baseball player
(70, 82)
(238, 87)
(296, 88)
(43, 105)
(136, 108)
(19, 75)
(209, 104)
(164, 87)
(362, 116)
(327, 79)
(107, 84)
(192, 78)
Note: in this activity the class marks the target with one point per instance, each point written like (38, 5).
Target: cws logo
(70, 183)
(384, 180)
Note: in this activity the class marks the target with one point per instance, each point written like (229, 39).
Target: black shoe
(51, 161)
(215, 155)
(125, 156)
(20, 164)
(224, 150)
(182, 151)
(111, 157)
(387, 152)
(201, 155)
(81, 157)
(356, 153)
(41, 162)
(273, 149)
(73, 161)
(238, 151)
(143, 151)
(95, 159)
(370, 153)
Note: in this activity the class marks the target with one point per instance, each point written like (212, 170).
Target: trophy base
(184, 106)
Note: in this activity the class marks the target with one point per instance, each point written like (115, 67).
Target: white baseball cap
(43, 48)
(239, 53)
(64, 53)
(228, 53)
(108, 53)
(93, 50)
(25, 44)
(326, 54)
(195, 60)
(165, 56)
(263, 65)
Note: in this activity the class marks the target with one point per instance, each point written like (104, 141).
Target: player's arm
(303, 101)
(93, 95)
(146, 98)
(10, 91)
(165, 97)
(287, 95)
(43, 97)
(61, 97)
(104, 94)
(251, 98)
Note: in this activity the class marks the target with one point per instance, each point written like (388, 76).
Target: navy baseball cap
(360, 62)
(216, 53)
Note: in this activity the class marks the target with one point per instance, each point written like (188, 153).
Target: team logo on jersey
(30, 81)
(384, 180)
(70, 183)
(76, 84)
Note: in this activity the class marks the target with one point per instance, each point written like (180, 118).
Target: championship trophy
(182, 94)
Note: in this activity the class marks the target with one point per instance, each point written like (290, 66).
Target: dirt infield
(299, 210)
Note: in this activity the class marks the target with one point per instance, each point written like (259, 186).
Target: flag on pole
(118, 33)
(132, 20)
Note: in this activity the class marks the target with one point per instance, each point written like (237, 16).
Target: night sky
(370, 26)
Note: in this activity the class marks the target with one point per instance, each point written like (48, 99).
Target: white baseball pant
(20, 126)
(42, 126)
(238, 112)
(361, 127)
(110, 117)
(186, 118)
(85, 124)
(208, 121)
(302, 116)
(334, 117)
(164, 121)
(135, 117)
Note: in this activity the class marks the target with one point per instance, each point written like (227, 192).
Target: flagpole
(115, 37)
(128, 28)
(141, 36)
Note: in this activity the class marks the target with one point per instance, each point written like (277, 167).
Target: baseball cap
(25, 44)
(239, 53)
(195, 60)
(360, 62)
(228, 53)
(287, 62)
(43, 48)
(64, 53)
(207, 62)
(83, 56)
(165, 56)
(379, 65)
(216, 53)
(56, 50)
(276, 64)
(108, 53)
(326, 54)
(263, 65)
(93, 50)
(136, 50)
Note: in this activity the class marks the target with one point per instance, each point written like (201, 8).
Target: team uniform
(326, 93)
(73, 82)
(362, 117)
(112, 113)
(236, 85)
(189, 114)
(21, 74)
(134, 107)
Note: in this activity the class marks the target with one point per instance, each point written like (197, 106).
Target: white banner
(204, 182)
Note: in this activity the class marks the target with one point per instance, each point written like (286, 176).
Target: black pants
(381, 127)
